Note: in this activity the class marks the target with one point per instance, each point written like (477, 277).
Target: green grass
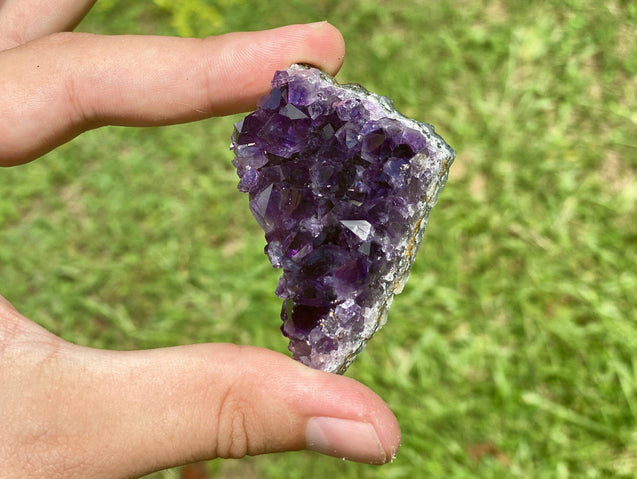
(512, 351)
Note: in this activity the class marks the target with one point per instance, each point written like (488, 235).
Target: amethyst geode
(342, 185)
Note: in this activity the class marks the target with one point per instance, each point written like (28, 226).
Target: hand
(69, 411)
(53, 86)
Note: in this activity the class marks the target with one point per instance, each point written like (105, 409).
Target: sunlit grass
(512, 351)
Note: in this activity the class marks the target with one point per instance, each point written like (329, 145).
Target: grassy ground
(512, 351)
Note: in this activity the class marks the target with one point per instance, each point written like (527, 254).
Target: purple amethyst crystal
(342, 184)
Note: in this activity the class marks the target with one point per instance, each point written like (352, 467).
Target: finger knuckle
(233, 434)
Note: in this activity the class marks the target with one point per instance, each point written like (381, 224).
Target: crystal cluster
(342, 185)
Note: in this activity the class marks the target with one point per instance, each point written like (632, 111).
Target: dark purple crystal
(342, 185)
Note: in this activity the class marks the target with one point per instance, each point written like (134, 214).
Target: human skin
(71, 411)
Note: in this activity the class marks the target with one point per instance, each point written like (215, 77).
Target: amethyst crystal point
(342, 184)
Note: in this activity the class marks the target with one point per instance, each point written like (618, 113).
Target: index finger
(54, 88)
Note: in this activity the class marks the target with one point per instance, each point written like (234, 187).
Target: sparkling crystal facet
(342, 184)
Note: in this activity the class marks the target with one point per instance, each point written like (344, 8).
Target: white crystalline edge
(337, 361)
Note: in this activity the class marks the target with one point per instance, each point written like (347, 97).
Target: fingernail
(352, 440)
(317, 25)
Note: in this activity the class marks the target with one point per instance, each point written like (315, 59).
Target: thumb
(150, 410)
